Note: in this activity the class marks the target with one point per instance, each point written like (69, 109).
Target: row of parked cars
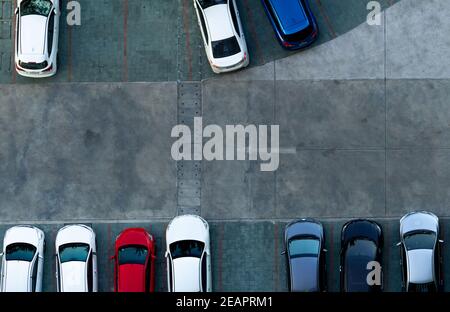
(37, 32)
(188, 256)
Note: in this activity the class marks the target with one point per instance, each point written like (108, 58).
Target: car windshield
(225, 48)
(186, 248)
(133, 255)
(427, 287)
(420, 240)
(35, 7)
(207, 3)
(304, 247)
(20, 252)
(74, 252)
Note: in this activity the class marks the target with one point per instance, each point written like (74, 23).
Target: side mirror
(441, 241)
(283, 252)
(1, 254)
(398, 244)
(112, 257)
(16, 11)
(325, 250)
(166, 254)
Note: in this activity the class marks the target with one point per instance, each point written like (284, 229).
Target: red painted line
(327, 19)
(125, 41)
(219, 257)
(69, 54)
(252, 27)
(110, 266)
(186, 28)
(13, 32)
(331, 252)
(276, 265)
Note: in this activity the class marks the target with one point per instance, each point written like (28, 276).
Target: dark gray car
(305, 256)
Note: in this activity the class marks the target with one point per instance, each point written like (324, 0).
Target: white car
(421, 258)
(23, 259)
(188, 255)
(222, 34)
(37, 31)
(76, 259)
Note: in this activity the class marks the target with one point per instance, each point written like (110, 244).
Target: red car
(134, 261)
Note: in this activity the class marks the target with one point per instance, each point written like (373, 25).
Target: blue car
(293, 22)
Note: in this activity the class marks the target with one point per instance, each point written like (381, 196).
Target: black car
(305, 256)
(361, 243)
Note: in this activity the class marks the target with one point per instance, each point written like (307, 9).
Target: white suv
(222, 34)
(37, 31)
(76, 259)
(23, 259)
(188, 255)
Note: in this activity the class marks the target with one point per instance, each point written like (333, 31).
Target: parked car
(223, 35)
(37, 32)
(188, 255)
(361, 244)
(23, 259)
(134, 261)
(293, 22)
(305, 256)
(421, 259)
(76, 259)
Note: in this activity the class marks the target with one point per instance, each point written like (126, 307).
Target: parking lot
(365, 110)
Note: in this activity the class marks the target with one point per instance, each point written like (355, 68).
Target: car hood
(305, 273)
(420, 266)
(219, 22)
(74, 276)
(186, 272)
(419, 221)
(22, 234)
(187, 228)
(291, 15)
(32, 34)
(18, 276)
(75, 233)
(131, 278)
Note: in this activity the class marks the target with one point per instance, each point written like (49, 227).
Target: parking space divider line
(125, 41)
(13, 32)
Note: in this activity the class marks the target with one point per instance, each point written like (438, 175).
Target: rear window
(207, 3)
(133, 255)
(35, 7)
(20, 252)
(33, 66)
(74, 252)
(225, 48)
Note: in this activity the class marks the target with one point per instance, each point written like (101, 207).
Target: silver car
(421, 259)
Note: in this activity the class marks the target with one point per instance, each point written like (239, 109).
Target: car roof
(357, 256)
(131, 278)
(17, 276)
(33, 32)
(186, 272)
(73, 276)
(219, 23)
(291, 14)
(420, 266)
(304, 273)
